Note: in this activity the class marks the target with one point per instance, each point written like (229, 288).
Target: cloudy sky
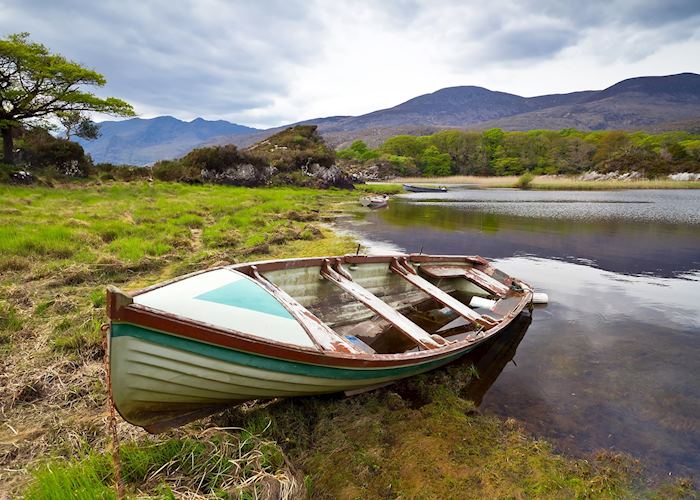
(267, 63)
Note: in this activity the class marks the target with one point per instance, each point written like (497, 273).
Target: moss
(420, 439)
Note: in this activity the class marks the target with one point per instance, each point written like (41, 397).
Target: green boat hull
(159, 378)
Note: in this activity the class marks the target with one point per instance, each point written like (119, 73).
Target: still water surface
(613, 361)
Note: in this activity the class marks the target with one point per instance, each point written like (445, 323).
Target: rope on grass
(116, 458)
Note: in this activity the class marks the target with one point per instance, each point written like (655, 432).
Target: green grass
(76, 240)
(380, 188)
(216, 464)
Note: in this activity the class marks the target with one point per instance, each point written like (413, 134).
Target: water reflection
(624, 246)
(613, 361)
(491, 358)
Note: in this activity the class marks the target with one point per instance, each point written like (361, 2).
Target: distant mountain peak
(140, 141)
(681, 83)
(631, 104)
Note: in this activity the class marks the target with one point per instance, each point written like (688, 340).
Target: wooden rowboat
(192, 346)
(424, 189)
(374, 201)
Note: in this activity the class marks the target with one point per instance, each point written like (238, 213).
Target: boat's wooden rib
(472, 274)
(342, 279)
(401, 267)
(318, 332)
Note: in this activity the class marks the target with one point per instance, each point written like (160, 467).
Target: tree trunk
(7, 147)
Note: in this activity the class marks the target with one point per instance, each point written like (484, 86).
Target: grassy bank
(60, 247)
(548, 182)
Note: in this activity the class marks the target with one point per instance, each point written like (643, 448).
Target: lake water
(613, 362)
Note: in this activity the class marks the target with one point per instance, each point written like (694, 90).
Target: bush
(127, 173)
(508, 166)
(525, 180)
(292, 149)
(217, 158)
(41, 151)
(634, 158)
(175, 171)
(358, 151)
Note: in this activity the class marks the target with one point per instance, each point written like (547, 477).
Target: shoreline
(540, 182)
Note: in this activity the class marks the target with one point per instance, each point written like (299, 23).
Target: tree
(359, 151)
(404, 145)
(435, 163)
(76, 123)
(36, 84)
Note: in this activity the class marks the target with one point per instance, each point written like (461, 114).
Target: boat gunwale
(173, 324)
(292, 263)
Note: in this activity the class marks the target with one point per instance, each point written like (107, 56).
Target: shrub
(217, 158)
(109, 171)
(525, 180)
(358, 151)
(292, 149)
(42, 151)
(175, 171)
(508, 166)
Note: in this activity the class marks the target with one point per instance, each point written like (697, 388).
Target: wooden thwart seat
(323, 337)
(403, 269)
(343, 280)
(479, 278)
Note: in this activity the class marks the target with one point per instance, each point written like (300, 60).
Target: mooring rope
(116, 457)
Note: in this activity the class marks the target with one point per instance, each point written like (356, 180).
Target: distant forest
(568, 151)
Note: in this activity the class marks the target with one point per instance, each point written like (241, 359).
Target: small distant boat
(424, 189)
(192, 346)
(374, 201)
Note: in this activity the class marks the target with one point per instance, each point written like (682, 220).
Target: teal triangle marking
(246, 295)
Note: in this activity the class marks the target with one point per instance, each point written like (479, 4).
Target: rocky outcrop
(684, 176)
(617, 176)
(296, 156)
(21, 177)
(239, 175)
(328, 176)
(377, 170)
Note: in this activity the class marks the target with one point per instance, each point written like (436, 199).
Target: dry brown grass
(52, 393)
(507, 181)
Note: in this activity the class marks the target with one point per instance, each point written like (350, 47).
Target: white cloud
(273, 62)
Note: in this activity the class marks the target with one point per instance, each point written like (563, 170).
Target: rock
(684, 176)
(630, 176)
(245, 174)
(73, 169)
(22, 177)
(596, 176)
(378, 170)
(328, 176)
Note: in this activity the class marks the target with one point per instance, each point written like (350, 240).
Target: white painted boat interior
(189, 298)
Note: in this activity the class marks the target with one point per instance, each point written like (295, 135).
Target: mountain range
(644, 103)
(139, 141)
